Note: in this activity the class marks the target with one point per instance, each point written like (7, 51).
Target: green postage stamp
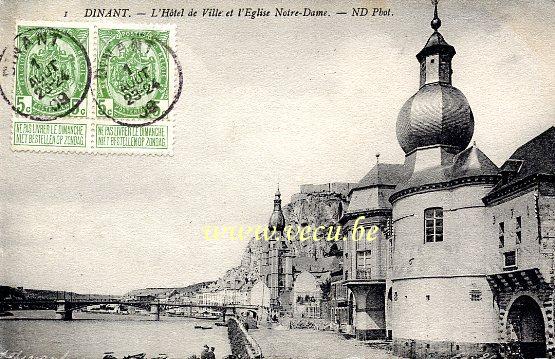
(51, 71)
(88, 88)
(133, 73)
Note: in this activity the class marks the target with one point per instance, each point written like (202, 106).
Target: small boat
(221, 324)
(135, 356)
(175, 314)
(207, 316)
(202, 327)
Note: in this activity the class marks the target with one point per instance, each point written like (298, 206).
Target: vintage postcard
(277, 179)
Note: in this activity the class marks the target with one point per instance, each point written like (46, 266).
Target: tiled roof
(382, 174)
(372, 191)
(536, 156)
(436, 44)
(471, 162)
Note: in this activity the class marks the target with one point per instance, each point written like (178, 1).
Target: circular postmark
(49, 72)
(135, 73)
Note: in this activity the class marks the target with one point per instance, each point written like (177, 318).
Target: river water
(89, 335)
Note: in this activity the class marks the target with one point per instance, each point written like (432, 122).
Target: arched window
(339, 211)
(433, 225)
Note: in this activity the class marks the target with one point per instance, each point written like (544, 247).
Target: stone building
(521, 222)
(463, 261)
(463, 264)
(364, 262)
(439, 252)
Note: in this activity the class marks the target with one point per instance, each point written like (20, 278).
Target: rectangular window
(433, 225)
(518, 230)
(509, 260)
(475, 295)
(363, 259)
(364, 265)
(501, 234)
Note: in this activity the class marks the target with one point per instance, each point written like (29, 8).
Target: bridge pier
(228, 313)
(62, 311)
(155, 311)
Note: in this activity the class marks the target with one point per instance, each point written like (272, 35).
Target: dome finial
(277, 220)
(436, 22)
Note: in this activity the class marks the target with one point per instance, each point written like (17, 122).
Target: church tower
(278, 273)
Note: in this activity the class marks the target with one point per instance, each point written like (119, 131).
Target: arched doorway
(526, 327)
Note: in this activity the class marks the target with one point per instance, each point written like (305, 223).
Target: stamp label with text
(49, 134)
(145, 137)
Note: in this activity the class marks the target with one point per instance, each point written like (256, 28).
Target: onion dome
(438, 114)
(277, 220)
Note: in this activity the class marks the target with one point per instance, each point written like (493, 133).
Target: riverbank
(90, 335)
(37, 333)
(313, 344)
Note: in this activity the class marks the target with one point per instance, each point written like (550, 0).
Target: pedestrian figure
(205, 353)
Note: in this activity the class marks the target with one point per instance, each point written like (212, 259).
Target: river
(89, 335)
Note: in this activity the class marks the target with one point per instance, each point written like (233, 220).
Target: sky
(294, 101)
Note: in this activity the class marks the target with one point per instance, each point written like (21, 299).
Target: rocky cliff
(314, 205)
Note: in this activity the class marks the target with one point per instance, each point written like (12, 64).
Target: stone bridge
(65, 307)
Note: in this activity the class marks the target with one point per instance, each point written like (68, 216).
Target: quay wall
(242, 344)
